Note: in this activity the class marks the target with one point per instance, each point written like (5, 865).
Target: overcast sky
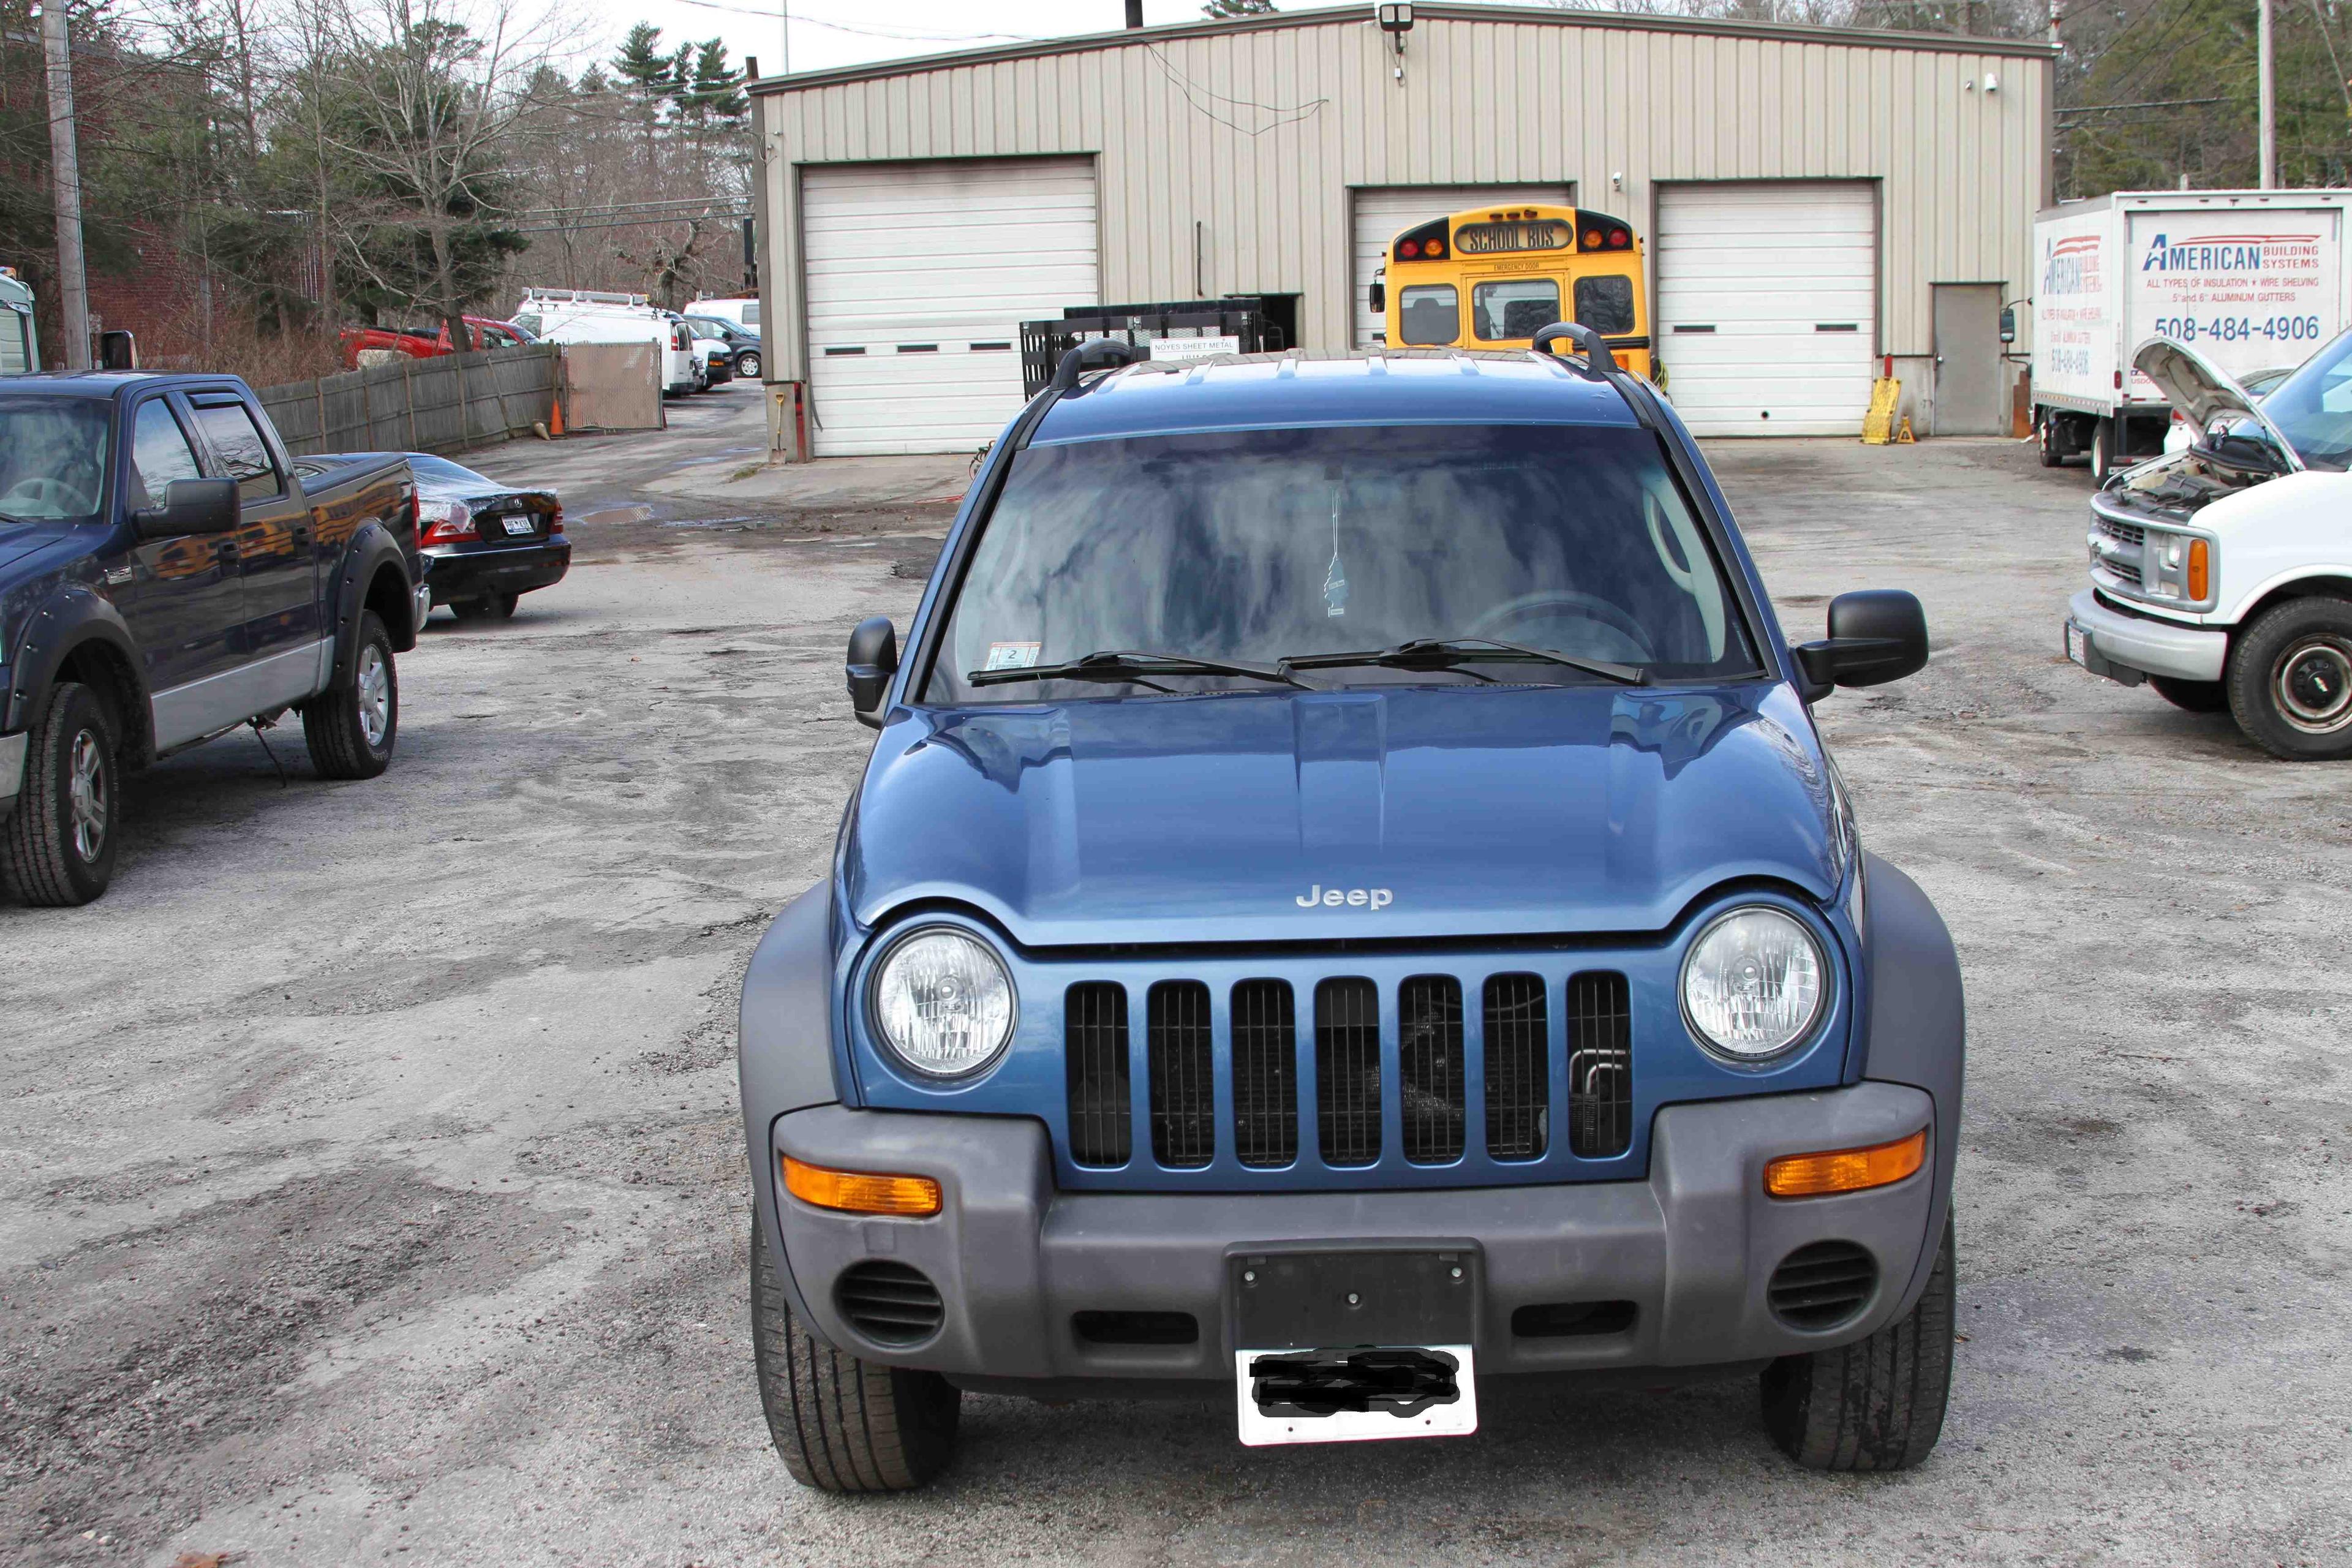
(828, 33)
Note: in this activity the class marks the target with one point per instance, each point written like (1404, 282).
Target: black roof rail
(1101, 353)
(1598, 362)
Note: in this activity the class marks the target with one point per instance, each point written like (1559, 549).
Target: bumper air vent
(1265, 1074)
(1136, 1328)
(1429, 1042)
(1094, 1040)
(1348, 1071)
(889, 1303)
(1570, 1320)
(1183, 1079)
(1518, 1067)
(1823, 1285)
(1599, 1067)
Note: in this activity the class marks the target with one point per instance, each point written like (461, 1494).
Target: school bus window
(1605, 304)
(1430, 313)
(1516, 308)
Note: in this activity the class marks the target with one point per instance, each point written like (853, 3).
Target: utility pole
(2268, 90)
(785, 67)
(65, 180)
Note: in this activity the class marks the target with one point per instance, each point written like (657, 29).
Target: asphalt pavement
(373, 1188)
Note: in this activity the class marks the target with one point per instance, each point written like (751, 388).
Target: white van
(744, 313)
(576, 317)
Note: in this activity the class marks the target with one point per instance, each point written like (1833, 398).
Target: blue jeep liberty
(1349, 902)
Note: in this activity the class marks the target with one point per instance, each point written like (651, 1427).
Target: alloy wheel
(374, 695)
(86, 788)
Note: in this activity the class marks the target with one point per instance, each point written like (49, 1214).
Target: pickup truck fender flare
(72, 617)
(784, 1056)
(371, 548)
(1918, 1023)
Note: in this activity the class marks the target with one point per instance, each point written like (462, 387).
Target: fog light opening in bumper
(860, 1192)
(1846, 1169)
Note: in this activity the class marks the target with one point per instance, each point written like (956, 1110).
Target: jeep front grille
(1599, 1066)
(1430, 1088)
(1183, 1081)
(1518, 1067)
(1348, 1071)
(1094, 1037)
(1265, 1074)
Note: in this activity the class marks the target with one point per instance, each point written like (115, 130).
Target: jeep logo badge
(1354, 898)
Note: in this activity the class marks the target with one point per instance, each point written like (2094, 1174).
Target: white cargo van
(744, 313)
(2254, 280)
(580, 316)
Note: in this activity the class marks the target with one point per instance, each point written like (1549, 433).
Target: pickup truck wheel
(2193, 695)
(351, 727)
(58, 846)
(1877, 1404)
(843, 1425)
(2290, 680)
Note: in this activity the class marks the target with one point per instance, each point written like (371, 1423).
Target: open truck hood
(2203, 390)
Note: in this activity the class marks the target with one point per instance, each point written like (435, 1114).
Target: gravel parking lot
(373, 1186)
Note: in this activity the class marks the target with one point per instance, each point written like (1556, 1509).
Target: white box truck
(2253, 280)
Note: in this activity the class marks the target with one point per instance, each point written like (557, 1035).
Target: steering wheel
(54, 496)
(1496, 622)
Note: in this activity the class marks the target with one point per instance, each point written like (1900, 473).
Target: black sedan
(485, 544)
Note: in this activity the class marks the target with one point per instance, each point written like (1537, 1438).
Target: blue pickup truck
(167, 575)
(1348, 904)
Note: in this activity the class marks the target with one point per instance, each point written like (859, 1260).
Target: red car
(422, 344)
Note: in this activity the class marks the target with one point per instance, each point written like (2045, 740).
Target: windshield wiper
(1132, 666)
(1452, 653)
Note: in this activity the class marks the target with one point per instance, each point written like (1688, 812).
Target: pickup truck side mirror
(1875, 636)
(872, 660)
(190, 506)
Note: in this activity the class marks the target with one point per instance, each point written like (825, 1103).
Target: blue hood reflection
(1479, 811)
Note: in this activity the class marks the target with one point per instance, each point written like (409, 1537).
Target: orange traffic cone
(555, 418)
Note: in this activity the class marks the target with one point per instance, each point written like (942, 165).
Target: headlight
(942, 1001)
(2176, 566)
(1754, 982)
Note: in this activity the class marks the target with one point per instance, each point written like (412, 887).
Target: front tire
(747, 365)
(843, 1425)
(1877, 1404)
(2191, 696)
(2290, 680)
(58, 847)
(351, 727)
(2102, 451)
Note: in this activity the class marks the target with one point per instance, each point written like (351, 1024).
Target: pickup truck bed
(167, 575)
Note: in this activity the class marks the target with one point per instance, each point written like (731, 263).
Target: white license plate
(1454, 1418)
(2078, 643)
(521, 525)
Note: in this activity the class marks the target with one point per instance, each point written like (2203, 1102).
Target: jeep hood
(2201, 389)
(1477, 811)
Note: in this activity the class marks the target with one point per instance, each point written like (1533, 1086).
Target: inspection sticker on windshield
(1013, 654)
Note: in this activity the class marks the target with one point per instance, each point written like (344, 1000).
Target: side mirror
(117, 351)
(1379, 291)
(2008, 323)
(190, 506)
(872, 660)
(1875, 636)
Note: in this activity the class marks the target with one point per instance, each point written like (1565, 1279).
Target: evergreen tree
(1222, 9)
(714, 91)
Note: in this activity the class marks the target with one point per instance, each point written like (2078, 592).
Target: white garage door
(919, 276)
(1767, 303)
(1384, 212)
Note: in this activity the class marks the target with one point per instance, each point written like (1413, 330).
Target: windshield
(1251, 546)
(2313, 407)
(52, 458)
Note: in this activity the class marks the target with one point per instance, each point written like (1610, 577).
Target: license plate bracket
(521, 525)
(1345, 1344)
(2078, 645)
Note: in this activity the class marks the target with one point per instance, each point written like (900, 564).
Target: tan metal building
(1812, 200)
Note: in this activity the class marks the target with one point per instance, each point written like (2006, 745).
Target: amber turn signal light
(1846, 1170)
(2201, 574)
(861, 1191)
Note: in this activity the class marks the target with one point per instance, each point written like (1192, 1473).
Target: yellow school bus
(1493, 278)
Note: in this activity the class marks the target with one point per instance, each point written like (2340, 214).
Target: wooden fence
(441, 405)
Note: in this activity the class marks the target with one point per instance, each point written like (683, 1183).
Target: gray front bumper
(12, 770)
(2129, 648)
(1692, 1248)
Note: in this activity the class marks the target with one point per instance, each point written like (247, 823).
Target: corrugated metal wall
(1255, 133)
